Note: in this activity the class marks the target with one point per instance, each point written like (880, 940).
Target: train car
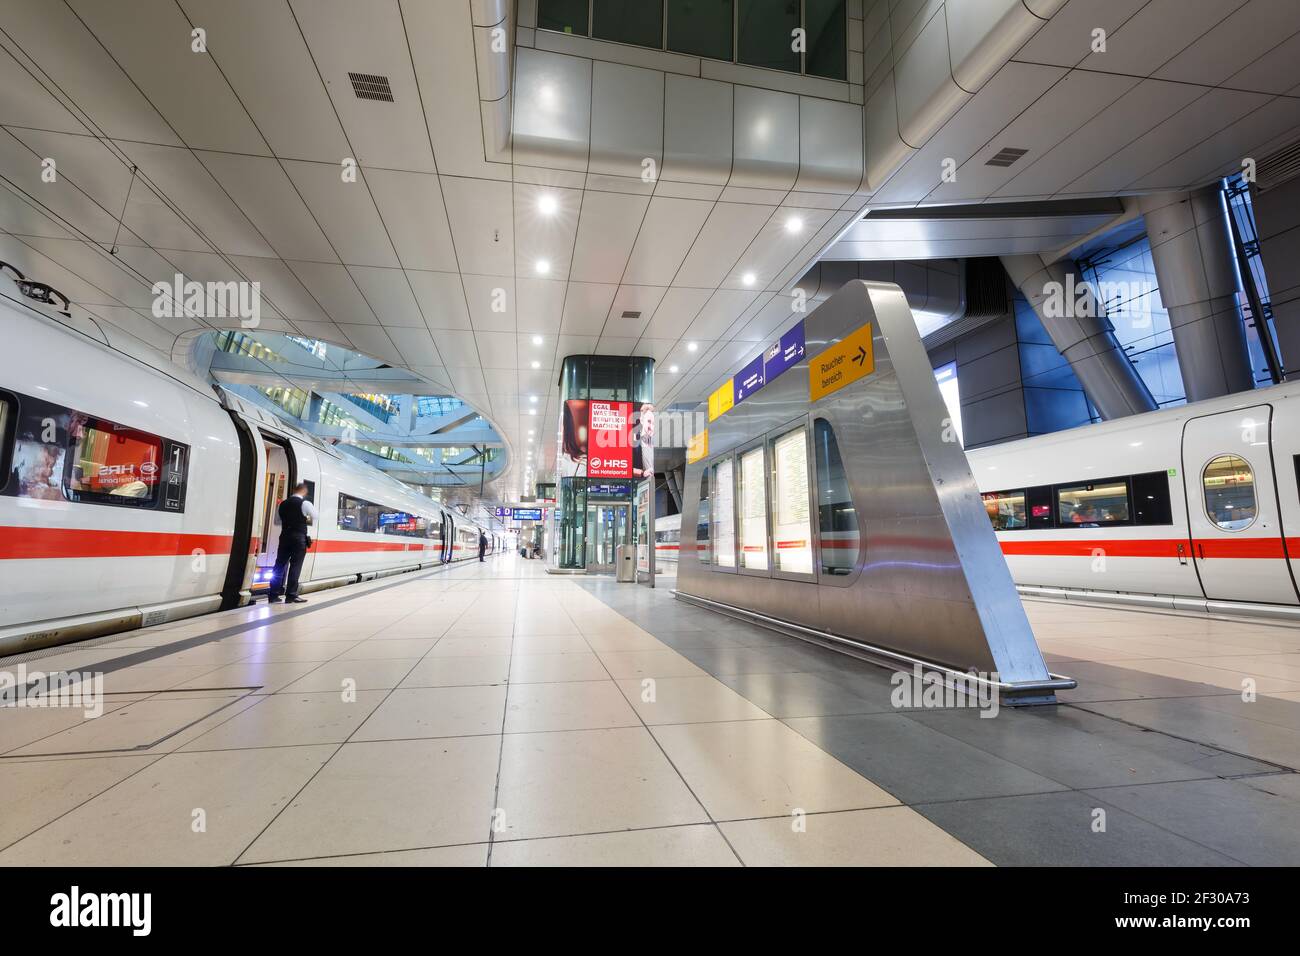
(1194, 507)
(668, 543)
(135, 494)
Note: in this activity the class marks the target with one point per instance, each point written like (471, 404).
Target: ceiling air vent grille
(371, 86)
(631, 315)
(1006, 156)
(1277, 168)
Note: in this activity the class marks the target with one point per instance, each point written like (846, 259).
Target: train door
(1234, 523)
(275, 488)
(448, 538)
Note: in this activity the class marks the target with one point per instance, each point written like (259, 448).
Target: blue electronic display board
(528, 514)
(785, 353)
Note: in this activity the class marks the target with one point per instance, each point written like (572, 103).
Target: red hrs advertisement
(609, 440)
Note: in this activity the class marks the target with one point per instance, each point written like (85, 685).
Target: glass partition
(791, 521)
(723, 523)
(753, 510)
(702, 524)
(836, 519)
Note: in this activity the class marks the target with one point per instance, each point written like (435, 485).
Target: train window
(8, 414)
(722, 524)
(1229, 486)
(1151, 503)
(356, 515)
(1093, 505)
(1006, 509)
(753, 510)
(791, 521)
(112, 464)
(837, 521)
(702, 548)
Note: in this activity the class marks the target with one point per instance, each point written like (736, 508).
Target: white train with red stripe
(1192, 507)
(131, 495)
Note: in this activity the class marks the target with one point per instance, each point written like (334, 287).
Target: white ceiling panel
(781, 238)
(1233, 44)
(730, 228)
(373, 340)
(347, 37)
(442, 299)
(607, 231)
(1067, 38)
(389, 295)
(416, 345)
(18, 215)
(457, 348)
(336, 290)
(22, 167)
(153, 45)
(262, 190)
(632, 299)
(497, 350)
(260, 51)
(345, 211)
(669, 230)
(697, 130)
(25, 103)
(586, 306)
(720, 312)
(1157, 33)
(539, 304)
(414, 215)
(283, 287)
(544, 241)
(627, 119)
(676, 311)
(482, 220)
(492, 302)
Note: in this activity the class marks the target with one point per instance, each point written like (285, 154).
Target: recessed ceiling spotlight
(537, 340)
(691, 346)
(537, 365)
(672, 370)
(532, 411)
(794, 225)
(547, 204)
(533, 399)
(542, 267)
(531, 432)
(748, 278)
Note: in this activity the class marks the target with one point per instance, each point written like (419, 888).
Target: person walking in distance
(482, 545)
(293, 516)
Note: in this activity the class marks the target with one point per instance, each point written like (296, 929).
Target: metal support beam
(1076, 322)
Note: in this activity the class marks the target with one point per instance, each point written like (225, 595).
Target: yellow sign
(845, 362)
(697, 447)
(722, 399)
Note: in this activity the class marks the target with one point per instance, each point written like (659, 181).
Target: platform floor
(492, 714)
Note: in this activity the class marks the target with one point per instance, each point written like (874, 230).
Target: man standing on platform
(482, 545)
(293, 516)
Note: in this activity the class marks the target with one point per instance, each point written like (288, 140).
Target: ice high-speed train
(130, 496)
(1193, 507)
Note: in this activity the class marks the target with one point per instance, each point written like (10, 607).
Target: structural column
(1078, 328)
(1197, 274)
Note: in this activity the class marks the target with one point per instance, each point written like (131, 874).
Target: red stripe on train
(1242, 548)
(17, 543)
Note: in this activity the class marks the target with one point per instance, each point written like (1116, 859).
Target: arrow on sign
(861, 356)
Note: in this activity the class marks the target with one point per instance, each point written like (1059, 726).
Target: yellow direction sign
(697, 447)
(723, 397)
(846, 361)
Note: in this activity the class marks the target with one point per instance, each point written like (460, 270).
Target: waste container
(625, 565)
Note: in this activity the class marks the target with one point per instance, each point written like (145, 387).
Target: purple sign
(748, 380)
(782, 355)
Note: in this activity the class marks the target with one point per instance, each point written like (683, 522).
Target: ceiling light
(542, 267)
(532, 398)
(537, 340)
(537, 365)
(691, 346)
(794, 225)
(547, 205)
(532, 411)
(672, 370)
(530, 433)
(748, 278)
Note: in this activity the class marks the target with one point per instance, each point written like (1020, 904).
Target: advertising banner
(609, 437)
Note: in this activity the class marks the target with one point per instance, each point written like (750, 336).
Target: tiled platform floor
(493, 714)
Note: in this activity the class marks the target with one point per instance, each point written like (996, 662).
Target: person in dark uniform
(293, 515)
(482, 545)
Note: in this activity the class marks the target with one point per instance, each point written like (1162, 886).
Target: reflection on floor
(492, 714)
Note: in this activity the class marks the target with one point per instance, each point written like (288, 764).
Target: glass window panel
(765, 29)
(1151, 504)
(723, 523)
(827, 26)
(791, 520)
(1229, 486)
(1006, 509)
(1092, 506)
(837, 520)
(701, 28)
(753, 510)
(566, 16)
(111, 461)
(629, 21)
(6, 446)
(702, 523)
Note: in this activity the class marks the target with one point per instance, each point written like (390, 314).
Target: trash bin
(625, 565)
